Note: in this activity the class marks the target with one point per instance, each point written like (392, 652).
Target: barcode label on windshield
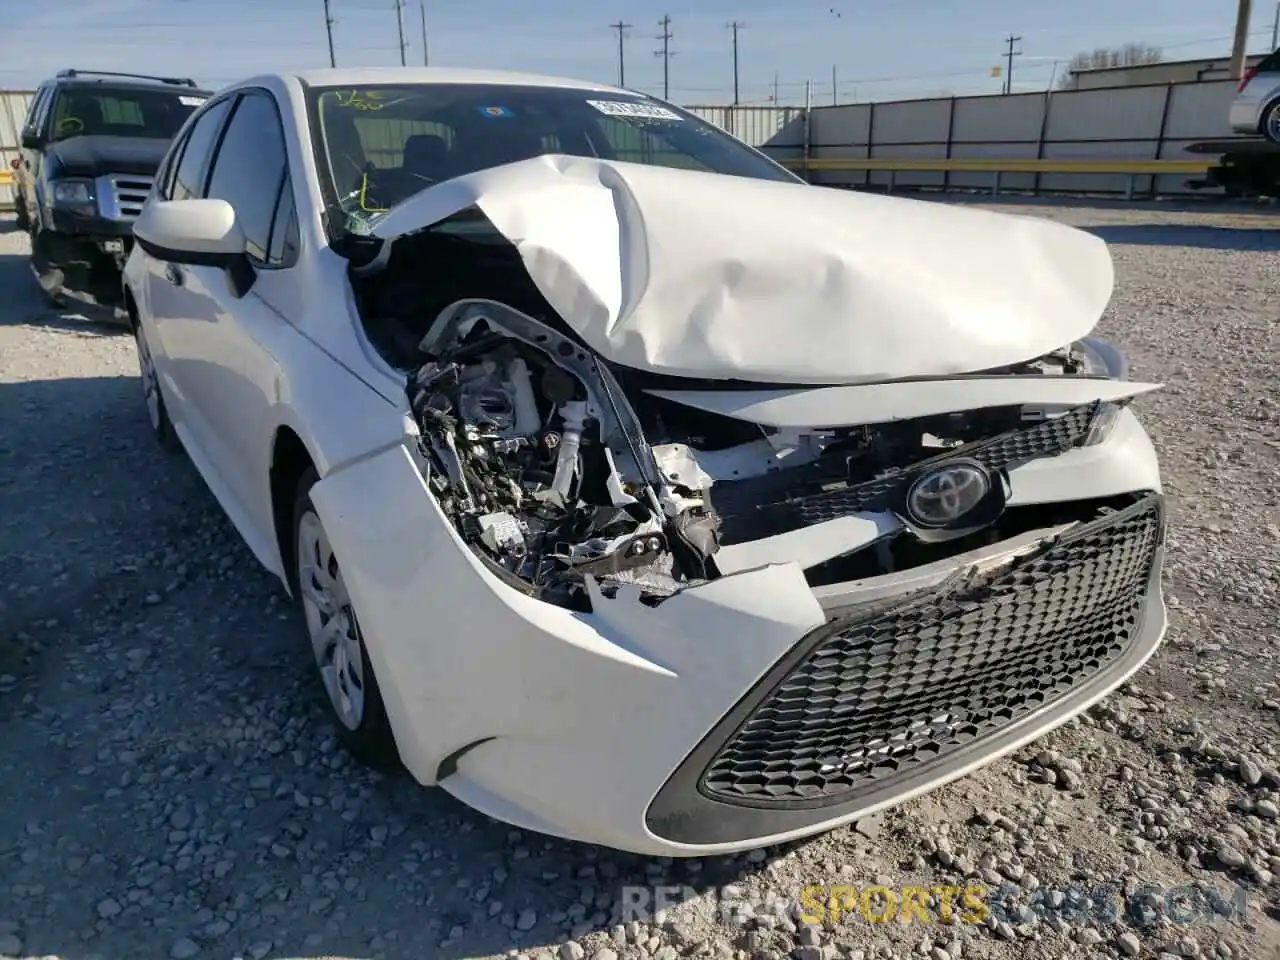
(634, 110)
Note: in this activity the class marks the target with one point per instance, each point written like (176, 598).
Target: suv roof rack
(177, 81)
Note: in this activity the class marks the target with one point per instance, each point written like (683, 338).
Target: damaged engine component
(538, 461)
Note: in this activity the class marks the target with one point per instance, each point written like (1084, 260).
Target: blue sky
(881, 49)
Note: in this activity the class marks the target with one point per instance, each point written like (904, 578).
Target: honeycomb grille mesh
(882, 694)
(1045, 439)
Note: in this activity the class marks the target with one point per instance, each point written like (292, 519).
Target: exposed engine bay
(553, 466)
(542, 466)
(556, 466)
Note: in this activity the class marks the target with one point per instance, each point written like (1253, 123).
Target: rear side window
(188, 183)
(248, 170)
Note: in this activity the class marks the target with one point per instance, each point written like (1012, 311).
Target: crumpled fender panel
(461, 657)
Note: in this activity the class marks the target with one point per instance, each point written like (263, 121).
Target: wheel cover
(150, 382)
(331, 622)
(1273, 123)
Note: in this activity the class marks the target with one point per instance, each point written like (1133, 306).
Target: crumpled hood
(703, 275)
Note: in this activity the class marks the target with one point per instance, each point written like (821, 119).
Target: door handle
(173, 274)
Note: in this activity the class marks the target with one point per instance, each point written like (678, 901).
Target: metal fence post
(808, 121)
(1044, 130)
(951, 126)
(871, 140)
(1164, 126)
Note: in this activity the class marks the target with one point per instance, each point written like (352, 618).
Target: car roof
(127, 83)
(362, 76)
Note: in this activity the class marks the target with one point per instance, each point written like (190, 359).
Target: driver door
(215, 340)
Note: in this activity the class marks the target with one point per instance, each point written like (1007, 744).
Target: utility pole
(328, 27)
(1239, 49)
(422, 9)
(775, 87)
(622, 29)
(666, 55)
(1009, 55)
(400, 24)
(734, 27)
(835, 87)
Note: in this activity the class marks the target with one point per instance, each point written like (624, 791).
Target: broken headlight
(1102, 359)
(1104, 421)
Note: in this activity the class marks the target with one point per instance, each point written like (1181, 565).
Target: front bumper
(602, 727)
(89, 228)
(1245, 115)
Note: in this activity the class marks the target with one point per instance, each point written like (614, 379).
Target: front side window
(84, 111)
(376, 146)
(188, 181)
(32, 123)
(249, 168)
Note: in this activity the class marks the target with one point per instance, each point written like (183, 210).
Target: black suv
(91, 144)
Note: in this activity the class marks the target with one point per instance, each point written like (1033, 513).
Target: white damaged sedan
(632, 490)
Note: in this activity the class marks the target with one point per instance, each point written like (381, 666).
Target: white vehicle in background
(634, 491)
(1256, 107)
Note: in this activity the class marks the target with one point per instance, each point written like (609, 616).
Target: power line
(734, 26)
(328, 28)
(622, 29)
(1009, 55)
(666, 54)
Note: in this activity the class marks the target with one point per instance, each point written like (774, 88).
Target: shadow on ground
(168, 776)
(1181, 235)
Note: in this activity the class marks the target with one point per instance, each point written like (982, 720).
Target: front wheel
(354, 699)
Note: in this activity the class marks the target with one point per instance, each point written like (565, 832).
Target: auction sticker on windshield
(634, 109)
(191, 101)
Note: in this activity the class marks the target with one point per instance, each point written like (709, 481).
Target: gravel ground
(168, 788)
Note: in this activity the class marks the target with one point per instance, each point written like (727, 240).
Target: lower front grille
(879, 694)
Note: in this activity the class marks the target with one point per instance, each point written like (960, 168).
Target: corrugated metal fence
(13, 110)
(1121, 123)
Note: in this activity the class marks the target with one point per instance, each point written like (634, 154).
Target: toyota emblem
(943, 495)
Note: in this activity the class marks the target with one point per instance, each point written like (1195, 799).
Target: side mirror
(31, 141)
(199, 233)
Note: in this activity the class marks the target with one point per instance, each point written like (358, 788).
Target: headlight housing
(1102, 359)
(76, 195)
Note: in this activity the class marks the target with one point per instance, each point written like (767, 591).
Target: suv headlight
(76, 196)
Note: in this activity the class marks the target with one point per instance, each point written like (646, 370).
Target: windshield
(98, 112)
(379, 145)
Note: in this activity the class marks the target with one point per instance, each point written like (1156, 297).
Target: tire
(1270, 126)
(20, 213)
(157, 413)
(352, 695)
(49, 277)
